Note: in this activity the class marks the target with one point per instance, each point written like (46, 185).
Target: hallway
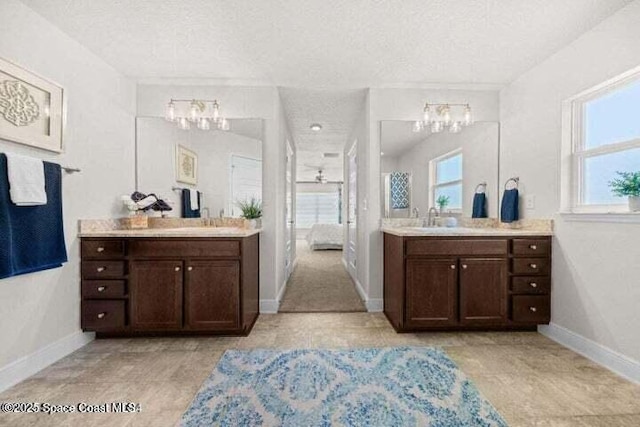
(320, 283)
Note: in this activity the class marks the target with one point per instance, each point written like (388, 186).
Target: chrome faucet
(416, 212)
(208, 213)
(431, 222)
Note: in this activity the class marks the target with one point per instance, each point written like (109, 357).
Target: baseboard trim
(375, 305)
(26, 366)
(269, 306)
(610, 359)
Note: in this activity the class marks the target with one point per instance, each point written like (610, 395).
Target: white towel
(26, 180)
(193, 200)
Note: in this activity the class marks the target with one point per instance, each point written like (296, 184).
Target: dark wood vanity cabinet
(141, 286)
(466, 282)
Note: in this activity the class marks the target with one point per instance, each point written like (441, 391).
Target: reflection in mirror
(444, 166)
(224, 166)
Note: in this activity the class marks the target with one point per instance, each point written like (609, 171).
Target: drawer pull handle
(101, 288)
(100, 249)
(533, 247)
(464, 266)
(533, 284)
(101, 269)
(534, 266)
(453, 267)
(101, 315)
(190, 268)
(533, 309)
(177, 269)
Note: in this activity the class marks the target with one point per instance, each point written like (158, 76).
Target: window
(446, 176)
(246, 181)
(318, 204)
(604, 139)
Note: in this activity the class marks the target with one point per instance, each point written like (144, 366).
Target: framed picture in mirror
(31, 108)
(186, 165)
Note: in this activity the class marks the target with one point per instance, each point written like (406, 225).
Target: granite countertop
(220, 232)
(461, 231)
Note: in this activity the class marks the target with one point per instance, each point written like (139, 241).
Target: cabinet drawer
(102, 315)
(531, 308)
(103, 289)
(184, 249)
(531, 247)
(531, 285)
(531, 266)
(456, 247)
(102, 269)
(102, 249)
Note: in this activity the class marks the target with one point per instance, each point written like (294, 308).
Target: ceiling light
(316, 127)
(382, 153)
(203, 113)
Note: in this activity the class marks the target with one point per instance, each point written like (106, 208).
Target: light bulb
(427, 114)
(216, 111)
(224, 124)
(170, 113)
(183, 123)
(417, 126)
(455, 127)
(193, 111)
(436, 127)
(446, 115)
(468, 118)
(203, 124)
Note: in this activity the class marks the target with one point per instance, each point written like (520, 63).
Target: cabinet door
(431, 294)
(156, 295)
(213, 295)
(483, 290)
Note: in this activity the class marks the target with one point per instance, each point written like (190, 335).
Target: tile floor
(531, 380)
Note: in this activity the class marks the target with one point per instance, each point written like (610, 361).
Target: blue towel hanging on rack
(185, 201)
(31, 237)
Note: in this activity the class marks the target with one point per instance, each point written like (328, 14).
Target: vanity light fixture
(204, 114)
(316, 127)
(440, 117)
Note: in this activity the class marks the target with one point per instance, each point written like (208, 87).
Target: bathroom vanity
(455, 279)
(177, 281)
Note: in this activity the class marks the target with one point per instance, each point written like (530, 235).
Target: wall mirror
(418, 167)
(225, 166)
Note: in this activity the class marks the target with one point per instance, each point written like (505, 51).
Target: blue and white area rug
(398, 386)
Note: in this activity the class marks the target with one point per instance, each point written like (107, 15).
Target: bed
(325, 236)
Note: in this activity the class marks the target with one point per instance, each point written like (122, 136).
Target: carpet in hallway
(320, 283)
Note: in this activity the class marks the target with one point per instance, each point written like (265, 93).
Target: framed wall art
(31, 108)
(186, 165)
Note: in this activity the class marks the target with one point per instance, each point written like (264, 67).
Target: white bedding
(325, 236)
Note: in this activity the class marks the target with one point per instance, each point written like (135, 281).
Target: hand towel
(26, 180)
(185, 201)
(31, 237)
(509, 210)
(479, 206)
(194, 199)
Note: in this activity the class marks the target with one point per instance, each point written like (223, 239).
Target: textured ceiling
(336, 111)
(316, 43)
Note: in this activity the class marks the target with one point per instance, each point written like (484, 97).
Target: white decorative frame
(32, 109)
(186, 165)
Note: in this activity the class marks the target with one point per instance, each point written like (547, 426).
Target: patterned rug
(399, 386)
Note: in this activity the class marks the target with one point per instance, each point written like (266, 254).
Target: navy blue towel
(187, 212)
(31, 237)
(479, 206)
(509, 211)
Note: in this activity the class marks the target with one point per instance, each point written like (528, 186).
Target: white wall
(245, 102)
(401, 104)
(41, 309)
(479, 145)
(596, 292)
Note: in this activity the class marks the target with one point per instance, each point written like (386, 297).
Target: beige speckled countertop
(460, 231)
(220, 232)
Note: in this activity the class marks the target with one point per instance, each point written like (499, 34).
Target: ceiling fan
(320, 178)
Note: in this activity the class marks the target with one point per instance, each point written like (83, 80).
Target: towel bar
(515, 180)
(482, 184)
(70, 170)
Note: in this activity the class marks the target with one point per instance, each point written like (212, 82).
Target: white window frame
(433, 173)
(573, 156)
